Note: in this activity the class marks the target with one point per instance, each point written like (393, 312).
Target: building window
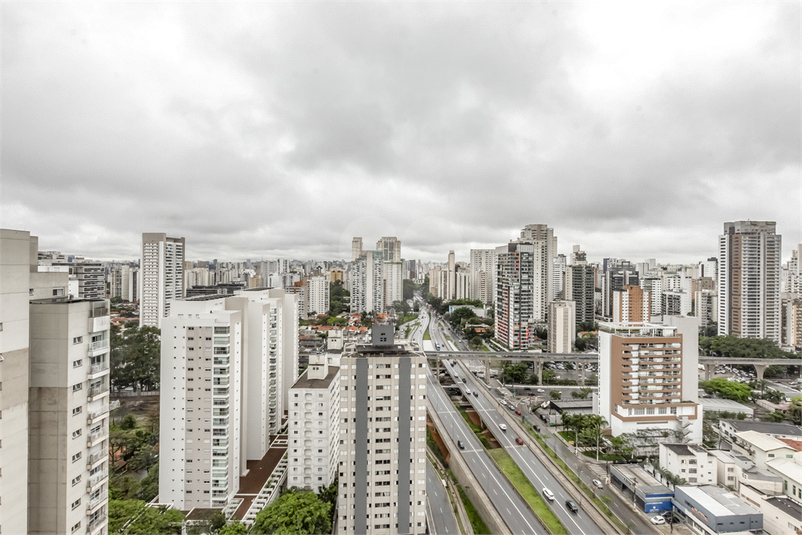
(76, 457)
(77, 363)
(77, 410)
(76, 433)
(76, 503)
(76, 480)
(78, 340)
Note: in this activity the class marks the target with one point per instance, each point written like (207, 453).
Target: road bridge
(581, 359)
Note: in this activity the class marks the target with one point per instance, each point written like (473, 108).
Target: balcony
(97, 391)
(94, 481)
(93, 503)
(96, 348)
(96, 523)
(97, 436)
(91, 416)
(95, 370)
(220, 392)
(94, 458)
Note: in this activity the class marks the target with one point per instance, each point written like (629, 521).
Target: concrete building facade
(382, 443)
(162, 276)
(482, 273)
(749, 280)
(562, 326)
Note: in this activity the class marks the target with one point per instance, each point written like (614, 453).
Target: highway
(530, 465)
(442, 514)
(501, 493)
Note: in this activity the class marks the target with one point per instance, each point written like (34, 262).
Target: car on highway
(597, 484)
(518, 413)
(467, 392)
(475, 394)
(519, 441)
(503, 427)
(540, 391)
(657, 520)
(503, 402)
(548, 494)
(461, 445)
(570, 504)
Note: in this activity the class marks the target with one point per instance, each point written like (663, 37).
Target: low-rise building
(781, 515)
(690, 462)
(790, 470)
(761, 448)
(728, 428)
(712, 510)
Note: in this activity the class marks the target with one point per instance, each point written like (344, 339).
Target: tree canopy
(294, 512)
(147, 520)
(749, 348)
(727, 389)
(135, 357)
(339, 299)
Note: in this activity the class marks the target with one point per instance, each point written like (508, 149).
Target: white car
(467, 392)
(657, 520)
(540, 391)
(503, 427)
(597, 484)
(549, 494)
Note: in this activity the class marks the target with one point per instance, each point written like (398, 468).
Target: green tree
(583, 393)
(476, 342)
(207, 521)
(156, 520)
(294, 512)
(555, 394)
(409, 289)
(234, 528)
(135, 358)
(121, 511)
(727, 389)
(461, 316)
(149, 487)
(515, 373)
(795, 410)
(774, 417)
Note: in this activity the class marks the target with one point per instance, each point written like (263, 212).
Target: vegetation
(582, 393)
(478, 525)
(295, 512)
(409, 289)
(135, 357)
(555, 394)
(749, 348)
(339, 299)
(725, 389)
(208, 521)
(532, 496)
(795, 410)
(146, 520)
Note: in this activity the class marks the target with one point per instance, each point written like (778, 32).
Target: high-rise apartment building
(382, 450)
(524, 273)
(562, 326)
(483, 269)
(54, 386)
(392, 269)
(558, 276)
(615, 275)
(313, 433)
(123, 283)
(317, 294)
(356, 249)
(451, 283)
(749, 280)
(580, 287)
(226, 365)
(631, 305)
(648, 377)
(367, 286)
(162, 274)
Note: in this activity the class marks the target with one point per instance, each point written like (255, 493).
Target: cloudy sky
(259, 130)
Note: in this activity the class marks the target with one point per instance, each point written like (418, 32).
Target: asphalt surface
(442, 514)
(502, 495)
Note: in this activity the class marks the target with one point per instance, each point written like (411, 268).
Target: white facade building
(483, 269)
(562, 326)
(162, 274)
(317, 294)
(367, 288)
(749, 280)
(648, 378)
(314, 426)
(691, 462)
(382, 443)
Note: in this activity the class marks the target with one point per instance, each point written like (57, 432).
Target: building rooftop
(761, 440)
(765, 427)
(210, 297)
(685, 449)
(571, 404)
(304, 381)
(722, 405)
(719, 501)
(787, 467)
(723, 456)
(795, 444)
(785, 504)
(637, 329)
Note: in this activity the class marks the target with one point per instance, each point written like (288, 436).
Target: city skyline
(264, 130)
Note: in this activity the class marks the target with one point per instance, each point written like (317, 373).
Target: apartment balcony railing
(97, 391)
(96, 480)
(98, 413)
(95, 458)
(94, 502)
(99, 367)
(97, 436)
(98, 345)
(96, 523)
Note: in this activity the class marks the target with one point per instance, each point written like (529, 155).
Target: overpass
(580, 359)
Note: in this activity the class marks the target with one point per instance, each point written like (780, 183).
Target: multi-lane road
(442, 514)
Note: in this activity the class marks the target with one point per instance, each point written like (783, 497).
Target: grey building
(716, 509)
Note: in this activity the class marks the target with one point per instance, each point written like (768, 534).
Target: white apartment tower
(648, 377)
(483, 268)
(53, 398)
(314, 426)
(162, 274)
(451, 277)
(200, 461)
(367, 287)
(356, 249)
(542, 236)
(382, 444)
(749, 280)
(562, 326)
(392, 269)
(317, 294)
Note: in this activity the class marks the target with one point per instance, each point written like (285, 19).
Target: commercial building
(781, 515)
(314, 426)
(648, 378)
(382, 446)
(162, 274)
(53, 398)
(562, 326)
(714, 510)
(749, 280)
(691, 462)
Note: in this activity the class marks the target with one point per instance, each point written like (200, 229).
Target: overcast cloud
(259, 130)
